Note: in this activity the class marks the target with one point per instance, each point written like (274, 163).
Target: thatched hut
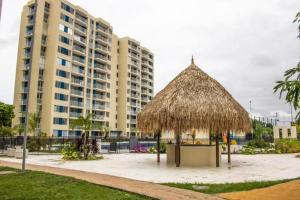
(193, 100)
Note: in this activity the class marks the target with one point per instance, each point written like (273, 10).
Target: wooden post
(209, 139)
(228, 146)
(158, 147)
(177, 151)
(217, 150)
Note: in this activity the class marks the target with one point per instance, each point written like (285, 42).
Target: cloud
(245, 45)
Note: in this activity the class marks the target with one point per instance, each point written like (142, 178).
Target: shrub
(248, 150)
(69, 152)
(259, 144)
(152, 150)
(287, 146)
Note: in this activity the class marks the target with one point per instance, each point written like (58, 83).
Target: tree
(19, 128)
(86, 125)
(291, 83)
(6, 114)
(33, 122)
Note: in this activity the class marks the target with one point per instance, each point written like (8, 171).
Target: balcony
(80, 60)
(77, 70)
(98, 96)
(99, 117)
(78, 48)
(75, 114)
(79, 39)
(26, 78)
(133, 121)
(24, 102)
(135, 96)
(101, 47)
(29, 33)
(101, 87)
(76, 92)
(98, 107)
(80, 28)
(78, 82)
(101, 38)
(98, 56)
(98, 66)
(99, 76)
(76, 103)
(133, 103)
(82, 19)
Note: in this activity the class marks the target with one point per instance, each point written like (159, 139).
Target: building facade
(284, 132)
(71, 64)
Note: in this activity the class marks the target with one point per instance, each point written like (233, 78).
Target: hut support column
(209, 137)
(158, 147)
(177, 151)
(228, 147)
(217, 151)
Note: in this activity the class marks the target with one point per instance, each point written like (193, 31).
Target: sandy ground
(285, 191)
(144, 167)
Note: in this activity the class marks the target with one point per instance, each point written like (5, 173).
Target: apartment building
(70, 63)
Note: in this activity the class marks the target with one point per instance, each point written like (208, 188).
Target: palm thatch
(193, 100)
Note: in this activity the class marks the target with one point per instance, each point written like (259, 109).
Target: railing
(103, 77)
(98, 86)
(82, 50)
(29, 33)
(76, 92)
(74, 114)
(80, 28)
(135, 96)
(99, 117)
(101, 47)
(100, 37)
(99, 107)
(79, 39)
(78, 59)
(25, 89)
(76, 81)
(81, 18)
(76, 103)
(97, 96)
(77, 70)
(100, 67)
(100, 57)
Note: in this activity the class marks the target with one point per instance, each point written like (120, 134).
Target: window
(289, 132)
(64, 51)
(67, 8)
(59, 121)
(61, 97)
(61, 109)
(61, 85)
(60, 133)
(64, 39)
(65, 29)
(66, 18)
(63, 62)
(62, 73)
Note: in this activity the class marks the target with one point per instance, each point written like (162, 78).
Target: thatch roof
(193, 100)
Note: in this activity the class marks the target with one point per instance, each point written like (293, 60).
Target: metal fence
(55, 144)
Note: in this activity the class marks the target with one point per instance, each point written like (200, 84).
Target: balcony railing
(76, 103)
(79, 39)
(103, 77)
(76, 81)
(77, 70)
(101, 47)
(98, 86)
(100, 57)
(99, 107)
(75, 114)
(103, 67)
(98, 96)
(83, 30)
(100, 37)
(25, 89)
(99, 117)
(76, 92)
(81, 18)
(82, 50)
(78, 59)
(135, 96)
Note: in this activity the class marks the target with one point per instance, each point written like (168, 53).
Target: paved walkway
(141, 187)
(283, 191)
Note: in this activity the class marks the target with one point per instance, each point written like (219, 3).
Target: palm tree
(291, 83)
(86, 125)
(19, 128)
(33, 122)
(106, 130)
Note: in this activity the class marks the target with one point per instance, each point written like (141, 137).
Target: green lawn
(40, 186)
(227, 187)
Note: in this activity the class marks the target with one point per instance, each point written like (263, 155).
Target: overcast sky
(245, 45)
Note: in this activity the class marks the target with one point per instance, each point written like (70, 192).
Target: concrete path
(140, 187)
(283, 191)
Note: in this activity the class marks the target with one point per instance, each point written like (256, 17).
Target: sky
(245, 45)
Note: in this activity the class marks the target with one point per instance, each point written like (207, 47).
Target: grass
(42, 186)
(227, 187)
